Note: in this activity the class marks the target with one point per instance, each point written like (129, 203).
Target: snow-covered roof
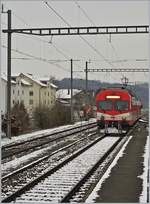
(15, 75)
(63, 101)
(53, 85)
(4, 77)
(34, 79)
(47, 79)
(66, 93)
(44, 78)
(24, 82)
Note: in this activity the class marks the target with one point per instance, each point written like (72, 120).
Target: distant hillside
(141, 90)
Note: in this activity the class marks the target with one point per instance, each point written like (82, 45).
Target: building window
(48, 93)
(18, 92)
(31, 93)
(13, 102)
(30, 101)
(22, 92)
(13, 91)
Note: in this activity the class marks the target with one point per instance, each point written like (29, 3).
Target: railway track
(33, 169)
(44, 153)
(25, 147)
(48, 172)
(69, 174)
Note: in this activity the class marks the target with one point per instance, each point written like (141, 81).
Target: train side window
(105, 105)
(121, 105)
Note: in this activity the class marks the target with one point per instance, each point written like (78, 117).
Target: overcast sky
(115, 51)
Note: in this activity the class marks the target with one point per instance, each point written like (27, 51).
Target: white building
(3, 93)
(65, 94)
(27, 89)
(34, 93)
(50, 94)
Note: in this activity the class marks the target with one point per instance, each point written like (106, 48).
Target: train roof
(117, 88)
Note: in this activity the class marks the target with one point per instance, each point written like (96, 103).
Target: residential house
(51, 92)
(32, 92)
(29, 90)
(80, 99)
(21, 91)
(3, 93)
(64, 95)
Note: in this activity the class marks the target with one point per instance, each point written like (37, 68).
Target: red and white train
(117, 107)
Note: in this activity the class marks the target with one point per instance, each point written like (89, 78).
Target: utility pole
(86, 76)
(9, 76)
(71, 86)
(86, 81)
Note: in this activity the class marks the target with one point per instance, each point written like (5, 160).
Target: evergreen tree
(19, 119)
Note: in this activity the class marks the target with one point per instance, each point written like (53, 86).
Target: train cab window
(105, 105)
(121, 105)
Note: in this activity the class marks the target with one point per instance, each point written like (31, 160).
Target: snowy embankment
(25, 137)
(143, 197)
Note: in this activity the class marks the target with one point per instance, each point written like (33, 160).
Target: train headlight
(113, 97)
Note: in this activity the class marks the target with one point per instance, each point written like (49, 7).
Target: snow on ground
(22, 160)
(72, 173)
(94, 194)
(143, 197)
(111, 130)
(143, 121)
(25, 137)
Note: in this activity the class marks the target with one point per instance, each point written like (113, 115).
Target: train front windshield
(105, 105)
(121, 105)
(116, 105)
